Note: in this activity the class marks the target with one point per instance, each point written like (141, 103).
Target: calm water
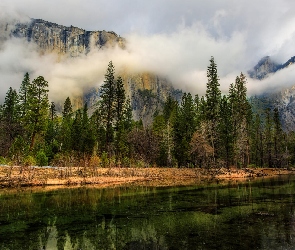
(253, 215)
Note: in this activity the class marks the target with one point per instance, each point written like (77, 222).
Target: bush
(94, 161)
(29, 161)
(3, 161)
(41, 158)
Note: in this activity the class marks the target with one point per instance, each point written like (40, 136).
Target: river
(256, 214)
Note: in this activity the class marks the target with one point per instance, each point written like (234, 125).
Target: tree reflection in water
(250, 215)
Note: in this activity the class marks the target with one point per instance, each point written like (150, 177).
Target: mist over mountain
(267, 66)
(75, 49)
(283, 99)
(74, 62)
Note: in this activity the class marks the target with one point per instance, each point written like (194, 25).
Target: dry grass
(102, 177)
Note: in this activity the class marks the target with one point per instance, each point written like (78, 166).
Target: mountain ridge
(72, 42)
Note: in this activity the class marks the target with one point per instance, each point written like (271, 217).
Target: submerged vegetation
(252, 215)
(214, 130)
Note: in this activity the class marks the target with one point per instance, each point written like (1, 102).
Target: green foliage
(3, 161)
(41, 158)
(67, 109)
(210, 130)
(29, 161)
(184, 126)
(37, 105)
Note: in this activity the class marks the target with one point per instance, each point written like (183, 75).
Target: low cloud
(175, 42)
(182, 57)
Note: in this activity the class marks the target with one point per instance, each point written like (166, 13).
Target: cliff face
(283, 100)
(267, 66)
(147, 92)
(263, 68)
(72, 41)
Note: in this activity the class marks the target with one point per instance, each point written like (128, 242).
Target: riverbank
(103, 177)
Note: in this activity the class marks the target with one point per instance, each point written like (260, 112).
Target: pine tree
(241, 118)
(23, 93)
(257, 141)
(106, 105)
(225, 128)
(67, 109)
(65, 135)
(211, 112)
(9, 122)
(37, 106)
(269, 137)
(119, 102)
(184, 128)
(278, 139)
(51, 135)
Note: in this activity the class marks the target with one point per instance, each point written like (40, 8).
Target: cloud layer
(172, 38)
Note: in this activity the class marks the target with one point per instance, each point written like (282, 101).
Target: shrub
(3, 161)
(41, 158)
(94, 161)
(29, 161)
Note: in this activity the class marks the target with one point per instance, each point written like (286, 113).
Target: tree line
(214, 130)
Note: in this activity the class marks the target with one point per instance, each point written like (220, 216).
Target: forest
(210, 131)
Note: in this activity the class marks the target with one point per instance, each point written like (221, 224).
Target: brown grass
(101, 177)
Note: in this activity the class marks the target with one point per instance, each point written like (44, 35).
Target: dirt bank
(102, 177)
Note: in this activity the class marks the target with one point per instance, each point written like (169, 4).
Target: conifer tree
(9, 120)
(67, 109)
(106, 104)
(119, 102)
(65, 135)
(184, 128)
(278, 139)
(37, 106)
(23, 93)
(225, 129)
(241, 118)
(211, 112)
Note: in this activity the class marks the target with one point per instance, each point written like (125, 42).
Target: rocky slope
(146, 90)
(284, 99)
(72, 41)
(267, 66)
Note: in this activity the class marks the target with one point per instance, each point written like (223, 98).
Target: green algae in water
(250, 215)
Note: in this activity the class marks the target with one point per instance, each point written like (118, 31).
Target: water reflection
(252, 215)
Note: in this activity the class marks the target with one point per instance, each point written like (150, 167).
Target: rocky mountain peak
(72, 41)
(147, 91)
(263, 68)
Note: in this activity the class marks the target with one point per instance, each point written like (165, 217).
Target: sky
(173, 38)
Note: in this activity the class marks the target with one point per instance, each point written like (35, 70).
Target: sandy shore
(103, 177)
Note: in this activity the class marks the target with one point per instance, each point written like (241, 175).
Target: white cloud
(170, 37)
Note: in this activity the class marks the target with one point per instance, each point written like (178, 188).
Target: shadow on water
(251, 215)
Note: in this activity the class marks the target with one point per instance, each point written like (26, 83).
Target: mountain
(146, 90)
(283, 100)
(267, 66)
(71, 41)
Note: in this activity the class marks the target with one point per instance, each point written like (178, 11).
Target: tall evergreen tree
(35, 118)
(23, 93)
(211, 114)
(226, 131)
(9, 120)
(119, 102)
(106, 105)
(184, 128)
(278, 139)
(67, 109)
(65, 134)
(241, 118)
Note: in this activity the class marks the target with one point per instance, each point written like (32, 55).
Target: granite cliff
(283, 100)
(71, 41)
(146, 90)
